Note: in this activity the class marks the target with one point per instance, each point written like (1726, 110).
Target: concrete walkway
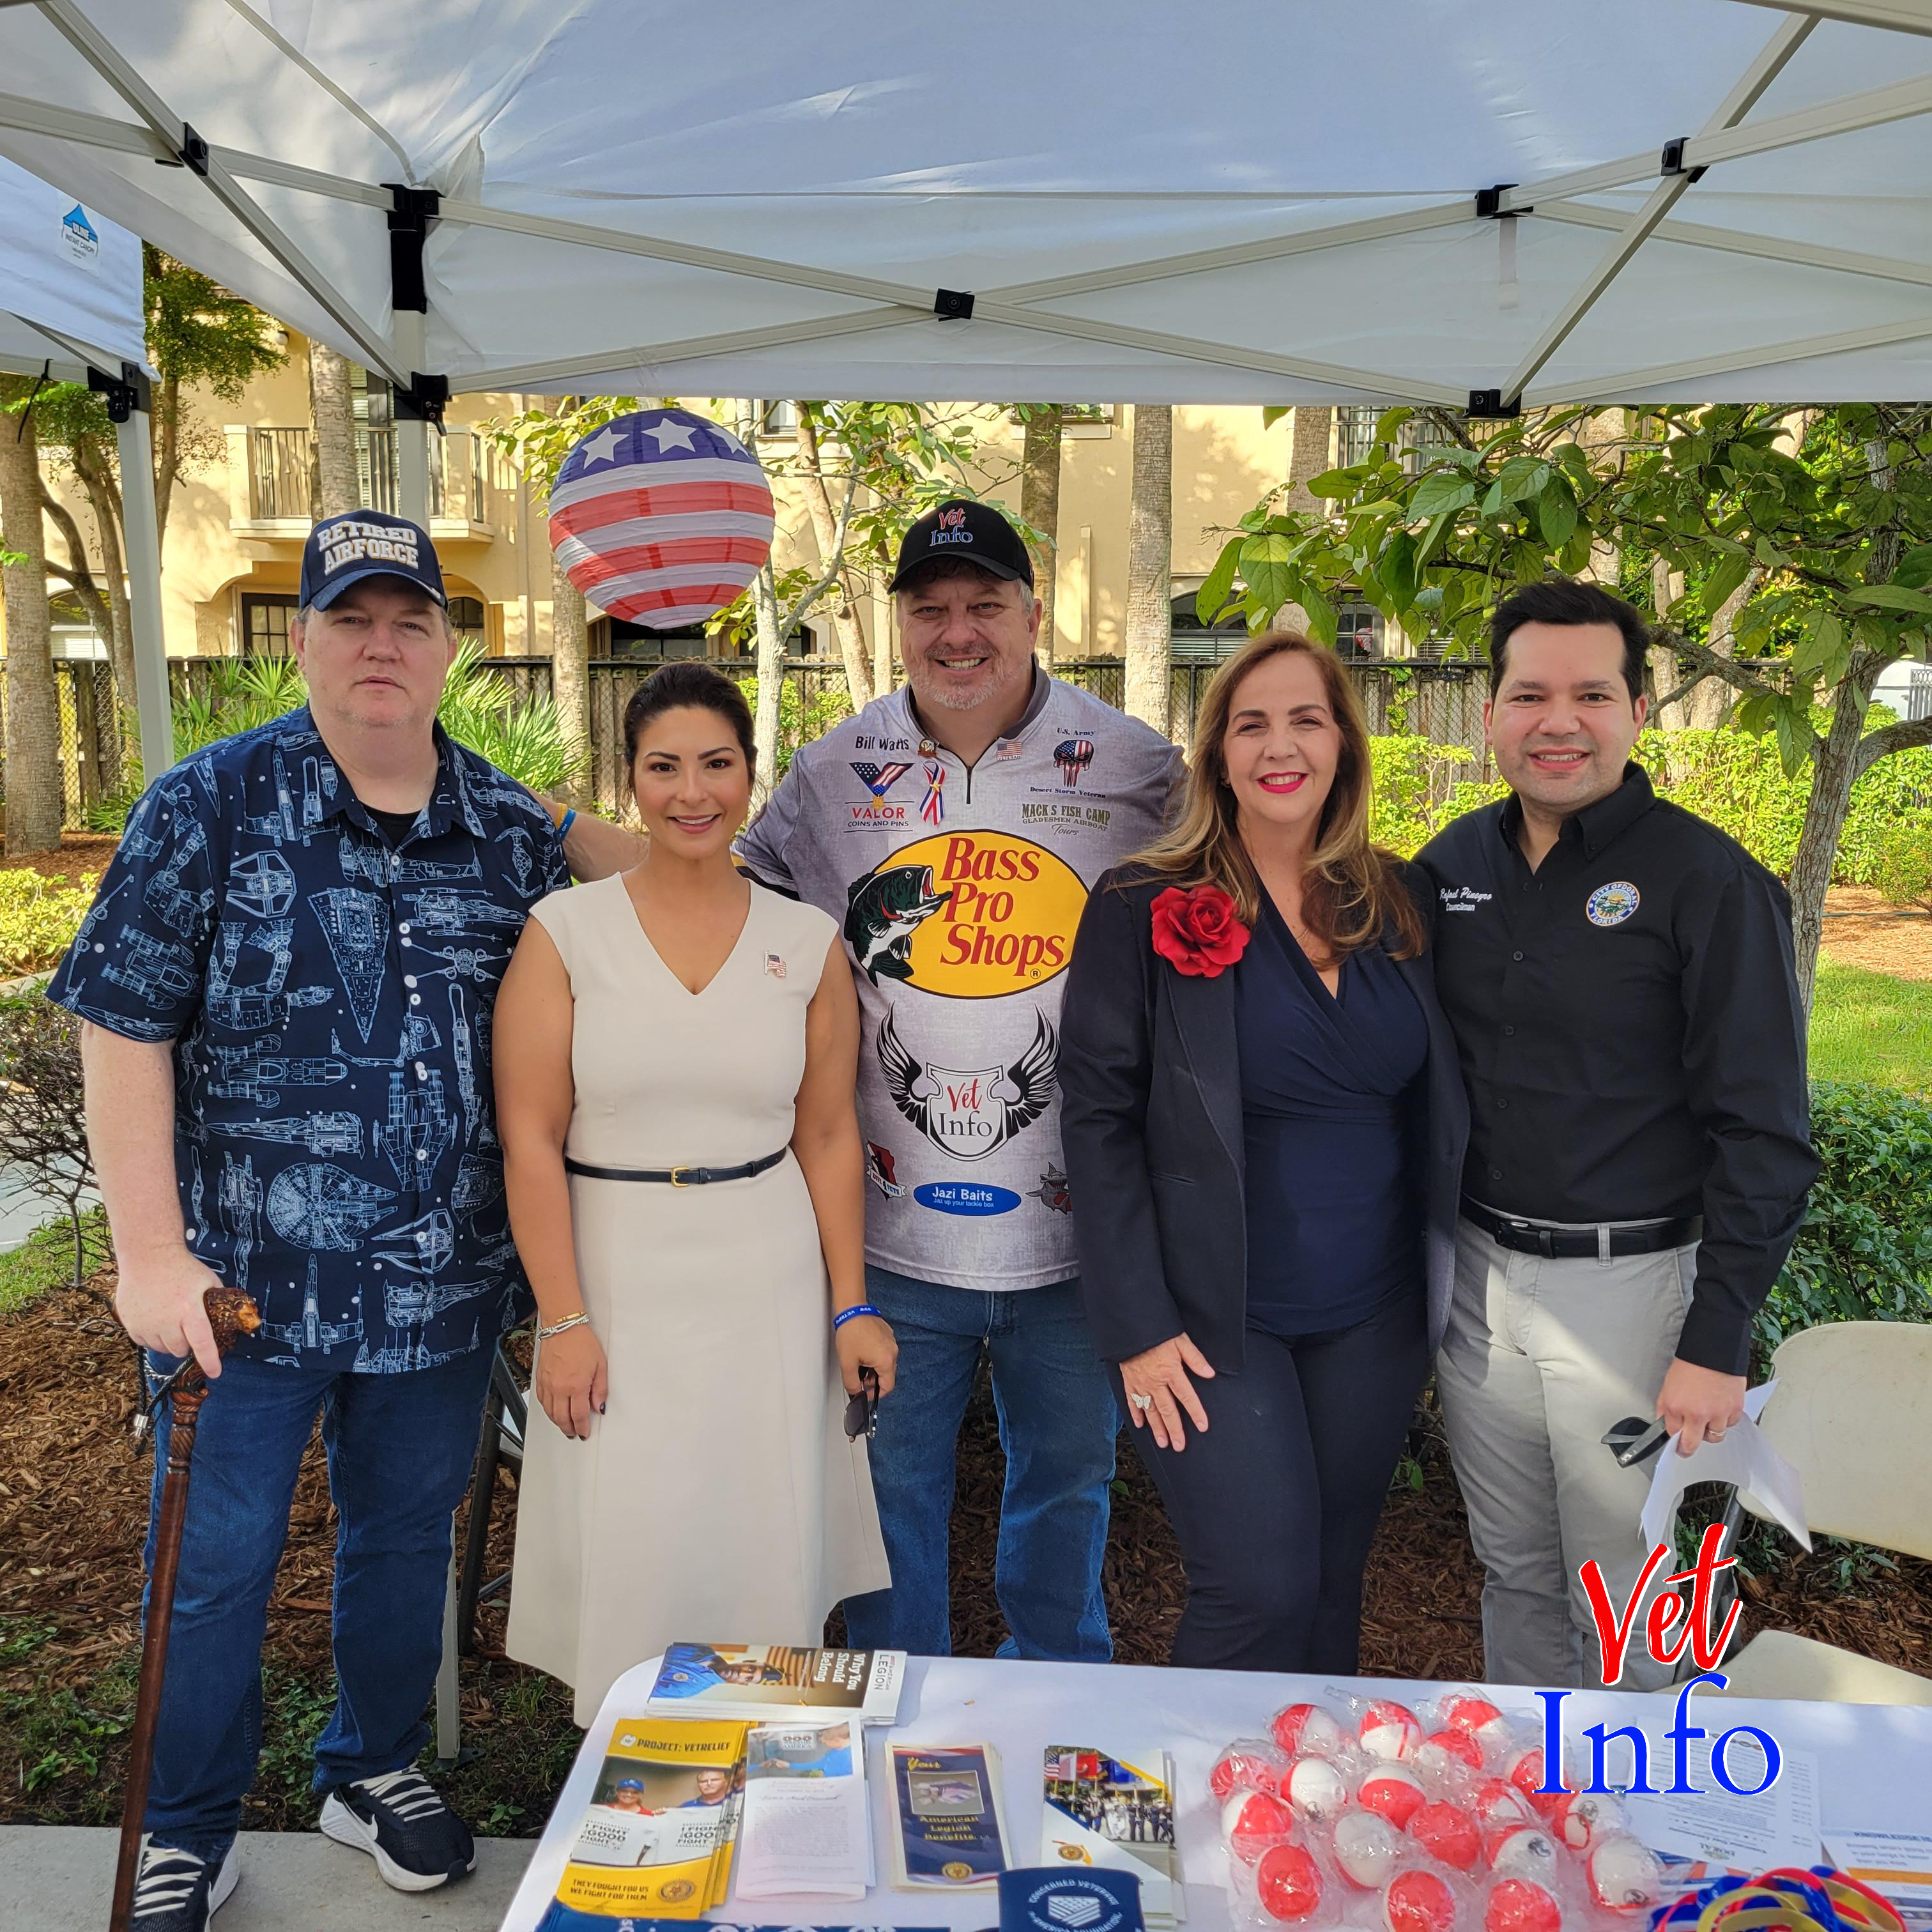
(57, 1878)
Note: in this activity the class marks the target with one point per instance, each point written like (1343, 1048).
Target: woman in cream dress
(686, 1474)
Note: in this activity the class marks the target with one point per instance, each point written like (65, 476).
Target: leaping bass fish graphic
(885, 909)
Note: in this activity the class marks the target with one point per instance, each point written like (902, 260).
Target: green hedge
(39, 917)
(1864, 1253)
(1729, 777)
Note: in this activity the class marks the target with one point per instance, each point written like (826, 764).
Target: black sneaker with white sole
(401, 1820)
(176, 1891)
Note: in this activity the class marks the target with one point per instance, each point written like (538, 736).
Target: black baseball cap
(967, 532)
(366, 543)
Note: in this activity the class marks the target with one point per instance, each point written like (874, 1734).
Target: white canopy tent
(71, 283)
(1532, 201)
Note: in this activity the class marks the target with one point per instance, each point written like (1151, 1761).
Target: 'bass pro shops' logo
(969, 915)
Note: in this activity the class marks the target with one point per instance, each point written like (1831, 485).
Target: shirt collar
(1597, 824)
(449, 804)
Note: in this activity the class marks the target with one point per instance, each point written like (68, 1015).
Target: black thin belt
(1536, 1238)
(675, 1177)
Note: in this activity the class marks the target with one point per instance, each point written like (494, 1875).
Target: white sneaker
(176, 1891)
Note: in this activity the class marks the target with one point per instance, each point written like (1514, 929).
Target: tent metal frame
(1728, 135)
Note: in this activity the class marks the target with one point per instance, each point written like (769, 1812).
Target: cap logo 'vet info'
(349, 543)
(952, 528)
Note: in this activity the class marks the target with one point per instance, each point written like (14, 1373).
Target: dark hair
(1563, 600)
(687, 684)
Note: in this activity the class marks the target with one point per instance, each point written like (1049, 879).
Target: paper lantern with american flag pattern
(660, 517)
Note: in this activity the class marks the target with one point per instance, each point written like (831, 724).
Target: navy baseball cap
(366, 543)
(974, 533)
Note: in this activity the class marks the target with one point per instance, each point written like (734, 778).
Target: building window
(612, 637)
(265, 625)
(1358, 631)
(778, 418)
(1189, 638)
(466, 616)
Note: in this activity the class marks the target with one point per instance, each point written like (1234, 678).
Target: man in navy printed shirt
(287, 982)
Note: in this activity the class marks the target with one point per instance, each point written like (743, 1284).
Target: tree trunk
(842, 593)
(1666, 586)
(103, 496)
(570, 668)
(166, 424)
(882, 653)
(1039, 505)
(1835, 765)
(1706, 707)
(1150, 573)
(33, 779)
(331, 409)
(771, 684)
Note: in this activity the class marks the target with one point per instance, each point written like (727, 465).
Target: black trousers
(1275, 1506)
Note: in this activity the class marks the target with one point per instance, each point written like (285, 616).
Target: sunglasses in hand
(862, 1411)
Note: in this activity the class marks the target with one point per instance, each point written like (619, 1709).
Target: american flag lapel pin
(774, 966)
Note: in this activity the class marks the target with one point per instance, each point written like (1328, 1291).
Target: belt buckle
(687, 1169)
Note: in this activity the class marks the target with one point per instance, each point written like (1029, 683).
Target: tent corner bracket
(1489, 203)
(1672, 160)
(1491, 406)
(953, 304)
(193, 152)
(123, 394)
(424, 400)
(410, 219)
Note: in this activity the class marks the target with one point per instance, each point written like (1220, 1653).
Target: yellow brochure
(656, 1838)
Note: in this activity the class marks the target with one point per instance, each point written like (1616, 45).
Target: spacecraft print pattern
(330, 996)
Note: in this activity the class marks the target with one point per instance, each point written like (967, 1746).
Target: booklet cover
(807, 1824)
(656, 1838)
(1115, 1814)
(945, 1798)
(770, 1683)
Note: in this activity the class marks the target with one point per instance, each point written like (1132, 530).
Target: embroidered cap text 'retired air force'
(346, 549)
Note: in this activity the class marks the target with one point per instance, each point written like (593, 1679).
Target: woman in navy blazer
(1264, 1121)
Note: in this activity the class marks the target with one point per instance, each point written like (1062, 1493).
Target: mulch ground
(79, 852)
(73, 1507)
(1862, 930)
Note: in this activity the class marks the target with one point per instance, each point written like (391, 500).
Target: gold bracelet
(558, 1327)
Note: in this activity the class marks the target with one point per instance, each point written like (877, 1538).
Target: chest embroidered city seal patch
(1612, 904)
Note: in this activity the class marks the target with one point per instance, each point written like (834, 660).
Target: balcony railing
(281, 485)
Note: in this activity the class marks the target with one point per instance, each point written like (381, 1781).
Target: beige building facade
(232, 548)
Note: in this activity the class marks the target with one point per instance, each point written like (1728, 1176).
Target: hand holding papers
(1743, 1458)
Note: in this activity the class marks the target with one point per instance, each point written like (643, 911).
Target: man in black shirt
(1619, 974)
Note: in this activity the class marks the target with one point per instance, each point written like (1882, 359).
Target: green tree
(1821, 518)
(33, 708)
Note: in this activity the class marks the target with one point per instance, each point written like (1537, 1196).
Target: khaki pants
(1540, 1358)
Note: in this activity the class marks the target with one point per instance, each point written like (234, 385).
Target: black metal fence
(1443, 702)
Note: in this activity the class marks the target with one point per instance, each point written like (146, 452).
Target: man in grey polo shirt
(954, 827)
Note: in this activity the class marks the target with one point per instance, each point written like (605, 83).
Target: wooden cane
(230, 1314)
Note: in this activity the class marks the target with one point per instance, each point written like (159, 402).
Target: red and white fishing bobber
(1477, 1718)
(1389, 1730)
(1306, 1730)
(1523, 1851)
(1316, 1789)
(1368, 1849)
(1251, 1821)
(1522, 1905)
(1524, 1770)
(1623, 1875)
(1496, 1803)
(1441, 1751)
(1581, 1818)
(1245, 1767)
(1287, 1882)
(1447, 1832)
(1394, 1791)
(1418, 1901)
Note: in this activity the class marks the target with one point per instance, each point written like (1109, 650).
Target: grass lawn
(1871, 1026)
(46, 1258)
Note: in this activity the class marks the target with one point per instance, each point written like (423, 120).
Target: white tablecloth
(1862, 1750)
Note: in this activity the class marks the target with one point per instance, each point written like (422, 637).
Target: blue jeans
(1058, 1423)
(400, 1449)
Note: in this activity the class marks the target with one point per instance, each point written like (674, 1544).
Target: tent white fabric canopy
(1256, 200)
(70, 283)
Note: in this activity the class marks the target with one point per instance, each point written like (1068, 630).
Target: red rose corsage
(1198, 932)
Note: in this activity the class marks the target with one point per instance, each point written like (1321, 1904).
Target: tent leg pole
(413, 434)
(143, 530)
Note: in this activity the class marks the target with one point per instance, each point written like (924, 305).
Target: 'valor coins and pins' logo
(970, 915)
(1072, 755)
(973, 1112)
(879, 779)
(1612, 904)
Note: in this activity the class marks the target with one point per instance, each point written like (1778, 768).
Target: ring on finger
(1142, 1403)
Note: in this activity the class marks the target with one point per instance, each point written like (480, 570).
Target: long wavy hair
(1352, 892)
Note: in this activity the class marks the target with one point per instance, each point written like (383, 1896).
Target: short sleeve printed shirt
(329, 994)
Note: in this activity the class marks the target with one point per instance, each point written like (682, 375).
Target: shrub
(1903, 872)
(1420, 786)
(39, 917)
(1864, 1253)
(801, 719)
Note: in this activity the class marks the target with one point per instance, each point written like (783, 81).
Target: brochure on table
(1870, 1810)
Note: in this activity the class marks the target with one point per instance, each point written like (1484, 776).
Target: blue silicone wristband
(846, 1315)
(564, 824)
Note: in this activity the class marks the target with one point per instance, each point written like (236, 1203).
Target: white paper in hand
(1744, 1459)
